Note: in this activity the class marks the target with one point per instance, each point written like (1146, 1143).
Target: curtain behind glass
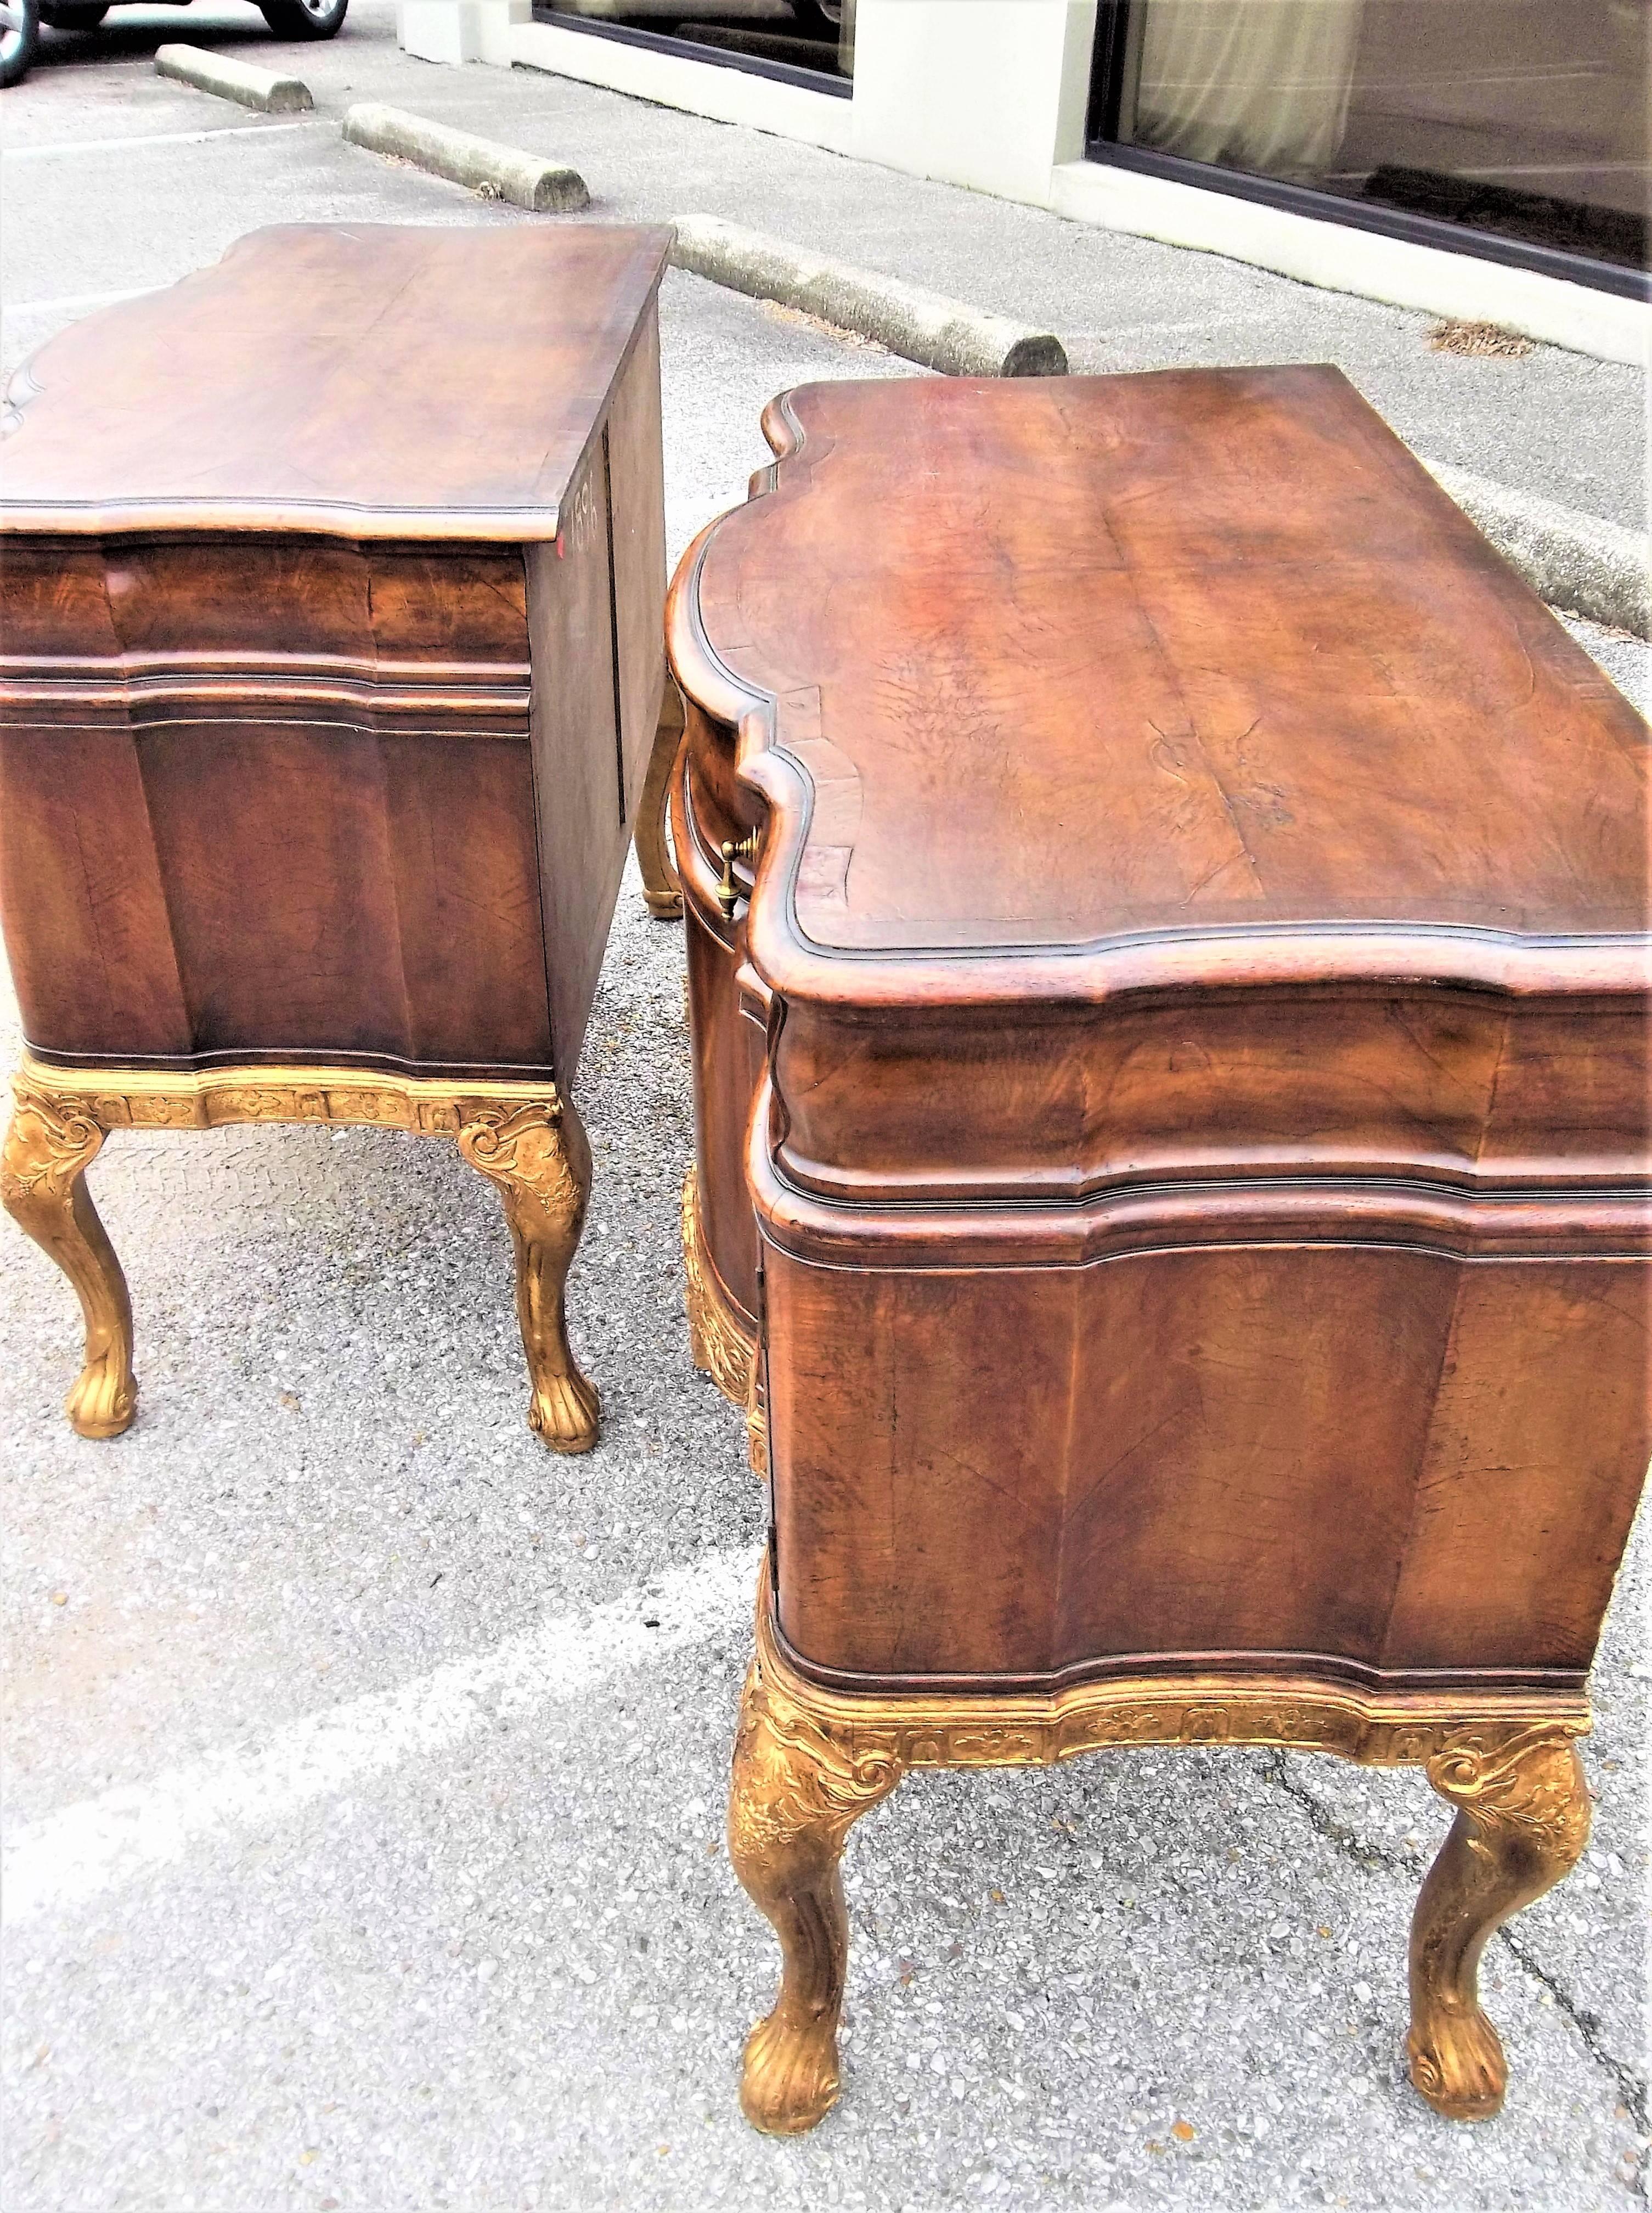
(1257, 84)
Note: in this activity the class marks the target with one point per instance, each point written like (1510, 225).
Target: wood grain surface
(1159, 653)
(388, 379)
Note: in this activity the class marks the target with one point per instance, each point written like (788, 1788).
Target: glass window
(779, 38)
(1526, 118)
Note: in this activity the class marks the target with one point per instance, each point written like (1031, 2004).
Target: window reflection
(1524, 117)
(816, 36)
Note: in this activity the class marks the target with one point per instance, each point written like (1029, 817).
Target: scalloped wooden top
(364, 379)
(1066, 660)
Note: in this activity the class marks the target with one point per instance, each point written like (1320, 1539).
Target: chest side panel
(636, 474)
(1398, 1466)
(89, 936)
(578, 776)
(302, 770)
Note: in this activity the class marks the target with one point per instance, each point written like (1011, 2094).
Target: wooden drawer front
(139, 611)
(1413, 1465)
(228, 888)
(728, 1059)
(1055, 1101)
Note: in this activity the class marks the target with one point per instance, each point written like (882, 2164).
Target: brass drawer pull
(728, 891)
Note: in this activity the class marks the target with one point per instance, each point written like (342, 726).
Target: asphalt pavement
(366, 1836)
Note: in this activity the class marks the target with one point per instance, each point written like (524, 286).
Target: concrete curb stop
(232, 80)
(527, 181)
(922, 327)
(1575, 561)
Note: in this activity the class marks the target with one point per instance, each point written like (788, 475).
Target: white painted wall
(457, 31)
(989, 93)
(728, 95)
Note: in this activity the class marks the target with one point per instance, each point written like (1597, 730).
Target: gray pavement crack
(1632, 2088)
(1325, 1823)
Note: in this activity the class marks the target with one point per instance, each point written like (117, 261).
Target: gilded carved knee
(48, 1149)
(1522, 1820)
(538, 1157)
(797, 1791)
(715, 1342)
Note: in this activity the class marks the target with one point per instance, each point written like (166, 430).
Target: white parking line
(59, 1862)
(159, 139)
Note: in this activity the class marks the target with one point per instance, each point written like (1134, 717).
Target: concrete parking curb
(232, 80)
(922, 327)
(527, 181)
(1573, 560)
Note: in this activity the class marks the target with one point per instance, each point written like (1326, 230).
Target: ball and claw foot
(48, 1149)
(103, 1402)
(788, 2076)
(565, 1411)
(1523, 1821)
(1458, 2065)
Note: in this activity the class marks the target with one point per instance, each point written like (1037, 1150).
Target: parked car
(20, 21)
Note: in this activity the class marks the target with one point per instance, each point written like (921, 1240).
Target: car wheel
(303, 19)
(20, 34)
(62, 16)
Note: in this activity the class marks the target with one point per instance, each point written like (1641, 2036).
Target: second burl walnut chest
(1167, 914)
(331, 582)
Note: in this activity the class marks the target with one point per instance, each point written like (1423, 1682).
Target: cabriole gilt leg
(1522, 1820)
(538, 1157)
(660, 886)
(43, 1185)
(796, 1792)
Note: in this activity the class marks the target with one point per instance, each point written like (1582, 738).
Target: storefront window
(812, 39)
(1525, 119)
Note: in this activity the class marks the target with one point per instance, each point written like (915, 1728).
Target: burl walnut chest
(1167, 914)
(332, 583)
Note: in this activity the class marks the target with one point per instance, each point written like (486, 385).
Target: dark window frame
(1101, 129)
(626, 34)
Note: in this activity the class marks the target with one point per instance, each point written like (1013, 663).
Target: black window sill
(1468, 237)
(695, 50)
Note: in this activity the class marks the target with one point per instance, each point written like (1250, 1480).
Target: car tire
(303, 19)
(829, 12)
(81, 15)
(20, 35)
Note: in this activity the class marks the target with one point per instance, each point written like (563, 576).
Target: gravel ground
(367, 1841)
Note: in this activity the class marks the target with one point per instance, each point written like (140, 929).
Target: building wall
(993, 95)
(989, 93)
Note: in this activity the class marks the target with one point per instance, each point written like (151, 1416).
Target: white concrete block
(498, 22)
(440, 30)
